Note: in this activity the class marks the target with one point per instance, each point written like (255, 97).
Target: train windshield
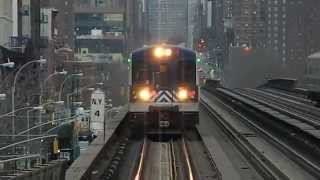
(168, 74)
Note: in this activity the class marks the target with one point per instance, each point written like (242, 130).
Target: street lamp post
(8, 64)
(28, 127)
(50, 76)
(10, 113)
(82, 89)
(13, 90)
(42, 89)
(64, 81)
(75, 131)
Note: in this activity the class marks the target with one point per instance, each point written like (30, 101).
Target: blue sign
(18, 41)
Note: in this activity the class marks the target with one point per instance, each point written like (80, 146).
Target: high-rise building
(5, 22)
(248, 23)
(287, 27)
(99, 29)
(136, 27)
(100, 43)
(291, 30)
(167, 21)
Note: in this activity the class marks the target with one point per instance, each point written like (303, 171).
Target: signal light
(201, 45)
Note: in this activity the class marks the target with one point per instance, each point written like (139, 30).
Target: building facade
(291, 32)
(287, 27)
(248, 19)
(167, 21)
(5, 22)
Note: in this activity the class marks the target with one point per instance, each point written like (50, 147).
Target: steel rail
(187, 158)
(173, 162)
(253, 156)
(141, 160)
(281, 110)
(299, 158)
(282, 94)
(300, 109)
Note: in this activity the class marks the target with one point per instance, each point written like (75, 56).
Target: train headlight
(144, 94)
(168, 52)
(182, 94)
(158, 52)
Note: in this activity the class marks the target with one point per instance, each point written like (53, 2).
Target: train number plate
(164, 124)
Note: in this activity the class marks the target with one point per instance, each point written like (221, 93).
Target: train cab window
(186, 72)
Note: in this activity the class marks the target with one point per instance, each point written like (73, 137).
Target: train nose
(164, 119)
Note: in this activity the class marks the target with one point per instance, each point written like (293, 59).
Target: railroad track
(298, 147)
(288, 96)
(301, 111)
(164, 160)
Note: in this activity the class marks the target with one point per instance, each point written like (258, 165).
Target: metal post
(40, 132)
(104, 129)
(28, 126)
(13, 90)
(61, 87)
(40, 120)
(28, 149)
(12, 100)
(64, 81)
(105, 123)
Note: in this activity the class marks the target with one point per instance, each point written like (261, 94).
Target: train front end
(164, 91)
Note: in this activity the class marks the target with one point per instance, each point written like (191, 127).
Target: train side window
(140, 75)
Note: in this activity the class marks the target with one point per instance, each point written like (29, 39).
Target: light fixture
(59, 102)
(38, 108)
(63, 72)
(182, 94)
(41, 60)
(168, 52)
(144, 94)
(158, 52)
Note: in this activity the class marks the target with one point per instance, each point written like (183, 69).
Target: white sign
(97, 111)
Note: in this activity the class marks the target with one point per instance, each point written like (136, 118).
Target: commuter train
(164, 91)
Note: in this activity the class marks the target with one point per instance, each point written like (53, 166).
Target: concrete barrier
(82, 167)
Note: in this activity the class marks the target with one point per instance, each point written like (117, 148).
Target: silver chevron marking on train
(163, 96)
